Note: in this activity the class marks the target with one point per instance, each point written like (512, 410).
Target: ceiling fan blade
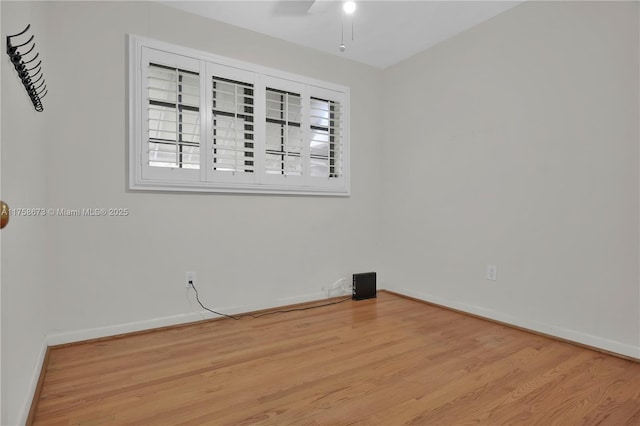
(319, 6)
(292, 7)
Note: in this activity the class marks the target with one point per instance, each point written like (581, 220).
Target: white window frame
(145, 177)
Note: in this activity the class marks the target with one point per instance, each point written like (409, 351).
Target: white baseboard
(553, 330)
(540, 327)
(23, 414)
(60, 338)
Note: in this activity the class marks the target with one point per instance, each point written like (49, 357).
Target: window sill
(229, 188)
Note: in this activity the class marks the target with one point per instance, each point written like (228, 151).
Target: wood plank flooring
(384, 361)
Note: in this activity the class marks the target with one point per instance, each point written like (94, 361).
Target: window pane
(190, 126)
(189, 88)
(273, 164)
(274, 137)
(319, 113)
(325, 142)
(162, 84)
(294, 108)
(294, 139)
(162, 123)
(319, 168)
(233, 129)
(162, 155)
(173, 117)
(293, 165)
(319, 143)
(275, 105)
(284, 142)
(190, 157)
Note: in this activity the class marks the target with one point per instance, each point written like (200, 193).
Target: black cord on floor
(207, 309)
(281, 311)
(304, 308)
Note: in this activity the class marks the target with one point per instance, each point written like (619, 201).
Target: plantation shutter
(284, 149)
(232, 156)
(174, 117)
(326, 137)
(172, 130)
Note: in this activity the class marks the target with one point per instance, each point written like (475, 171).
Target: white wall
(529, 150)
(516, 144)
(248, 251)
(24, 279)
(102, 276)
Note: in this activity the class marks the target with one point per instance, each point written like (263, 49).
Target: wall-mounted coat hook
(36, 89)
(21, 32)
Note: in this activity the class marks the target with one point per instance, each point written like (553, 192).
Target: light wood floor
(384, 361)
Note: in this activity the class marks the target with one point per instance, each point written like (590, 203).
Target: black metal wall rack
(31, 75)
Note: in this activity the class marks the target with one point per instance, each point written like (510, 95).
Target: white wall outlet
(492, 272)
(190, 279)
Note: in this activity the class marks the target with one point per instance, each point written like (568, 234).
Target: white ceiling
(385, 32)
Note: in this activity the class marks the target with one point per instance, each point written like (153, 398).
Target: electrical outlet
(492, 272)
(191, 279)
